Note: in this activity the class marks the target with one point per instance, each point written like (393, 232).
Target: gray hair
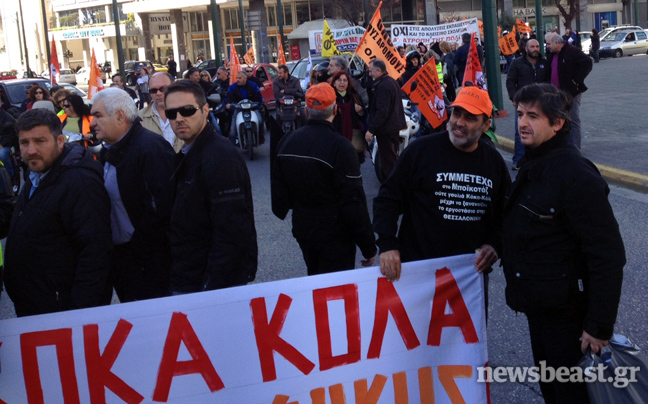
(379, 64)
(116, 99)
(321, 114)
(340, 62)
(554, 38)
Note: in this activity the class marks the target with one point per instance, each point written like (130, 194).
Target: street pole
(22, 23)
(636, 13)
(539, 27)
(242, 24)
(489, 12)
(22, 58)
(280, 23)
(215, 11)
(120, 51)
(47, 41)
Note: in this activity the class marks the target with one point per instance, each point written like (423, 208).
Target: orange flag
(427, 93)
(508, 45)
(249, 56)
(481, 28)
(522, 27)
(499, 32)
(473, 72)
(54, 67)
(281, 57)
(95, 83)
(375, 43)
(235, 63)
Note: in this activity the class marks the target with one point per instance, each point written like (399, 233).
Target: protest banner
(349, 336)
(235, 63)
(95, 83)
(328, 43)
(346, 39)
(375, 43)
(54, 66)
(427, 93)
(522, 28)
(507, 44)
(249, 56)
(281, 56)
(474, 72)
(404, 35)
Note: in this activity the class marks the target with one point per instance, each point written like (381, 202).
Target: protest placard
(349, 335)
(427, 93)
(346, 39)
(403, 35)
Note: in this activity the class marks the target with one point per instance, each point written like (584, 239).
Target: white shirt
(167, 131)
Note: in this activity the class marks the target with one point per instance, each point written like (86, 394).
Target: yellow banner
(375, 43)
(328, 42)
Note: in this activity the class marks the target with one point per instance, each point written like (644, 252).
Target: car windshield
(620, 36)
(301, 70)
(203, 65)
(66, 71)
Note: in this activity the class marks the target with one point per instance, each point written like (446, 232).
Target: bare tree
(353, 10)
(568, 11)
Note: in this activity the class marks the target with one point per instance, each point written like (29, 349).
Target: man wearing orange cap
(317, 174)
(450, 189)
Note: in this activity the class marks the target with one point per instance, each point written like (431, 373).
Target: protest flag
(281, 57)
(328, 42)
(249, 56)
(235, 63)
(54, 67)
(95, 83)
(424, 89)
(474, 72)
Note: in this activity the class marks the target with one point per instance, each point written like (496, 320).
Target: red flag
(235, 63)
(281, 57)
(95, 83)
(473, 72)
(54, 67)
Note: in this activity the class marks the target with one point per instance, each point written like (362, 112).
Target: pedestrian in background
(173, 67)
(596, 45)
(317, 175)
(143, 87)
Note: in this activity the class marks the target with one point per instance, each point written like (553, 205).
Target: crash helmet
(321, 72)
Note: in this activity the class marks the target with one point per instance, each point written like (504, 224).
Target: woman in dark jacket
(596, 45)
(349, 121)
(37, 93)
(412, 65)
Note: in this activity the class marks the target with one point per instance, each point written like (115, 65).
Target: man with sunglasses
(138, 165)
(249, 71)
(153, 116)
(213, 236)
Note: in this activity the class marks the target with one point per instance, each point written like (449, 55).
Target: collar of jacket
(558, 143)
(197, 147)
(115, 153)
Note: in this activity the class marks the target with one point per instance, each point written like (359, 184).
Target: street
(615, 133)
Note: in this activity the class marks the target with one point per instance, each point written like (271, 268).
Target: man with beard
(530, 68)
(431, 181)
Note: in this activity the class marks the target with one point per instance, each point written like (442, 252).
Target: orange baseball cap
(474, 100)
(320, 96)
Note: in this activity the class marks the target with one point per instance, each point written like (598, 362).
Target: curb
(611, 174)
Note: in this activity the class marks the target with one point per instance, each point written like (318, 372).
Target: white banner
(403, 35)
(346, 39)
(344, 337)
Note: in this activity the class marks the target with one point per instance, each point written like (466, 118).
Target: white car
(83, 75)
(77, 91)
(67, 76)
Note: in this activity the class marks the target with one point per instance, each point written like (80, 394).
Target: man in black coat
(173, 67)
(568, 68)
(317, 175)
(138, 165)
(386, 116)
(530, 68)
(213, 237)
(563, 253)
(58, 248)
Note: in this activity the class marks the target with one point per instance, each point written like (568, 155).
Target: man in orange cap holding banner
(450, 189)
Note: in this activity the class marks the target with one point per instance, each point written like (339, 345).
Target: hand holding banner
(424, 89)
(375, 43)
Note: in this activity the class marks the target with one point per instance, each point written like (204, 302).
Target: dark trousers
(555, 339)
(326, 257)
(133, 281)
(388, 149)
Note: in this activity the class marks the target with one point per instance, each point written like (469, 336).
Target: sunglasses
(39, 92)
(186, 111)
(66, 105)
(248, 71)
(155, 90)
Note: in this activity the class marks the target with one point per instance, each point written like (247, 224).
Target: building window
(69, 18)
(231, 19)
(302, 12)
(287, 15)
(272, 17)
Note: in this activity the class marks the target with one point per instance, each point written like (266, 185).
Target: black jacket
(144, 162)
(521, 72)
(234, 93)
(59, 244)
(213, 237)
(386, 114)
(596, 42)
(8, 136)
(317, 175)
(563, 252)
(173, 67)
(291, 87)
(461, 58)
(573, 68)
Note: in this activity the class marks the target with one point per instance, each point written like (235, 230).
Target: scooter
(405, 136)
(290, 112)
(247, 125)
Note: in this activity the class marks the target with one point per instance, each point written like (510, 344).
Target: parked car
(132, 69)
(626, 42)
(585, 41)
(266, 73)
(75, 90)
(15, 90)
(209, 65)
(301, 71)
(67, 76)
(10, 75)
(160, 68)
(83, 75)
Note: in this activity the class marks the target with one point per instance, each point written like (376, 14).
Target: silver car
(626, 42)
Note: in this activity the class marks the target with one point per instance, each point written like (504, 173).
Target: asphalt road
(615, 133)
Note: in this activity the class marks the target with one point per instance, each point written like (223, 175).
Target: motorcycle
(247, 125)
(405, 136)
(290, 112)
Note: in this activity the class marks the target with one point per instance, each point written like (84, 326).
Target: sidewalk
(614, 117)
